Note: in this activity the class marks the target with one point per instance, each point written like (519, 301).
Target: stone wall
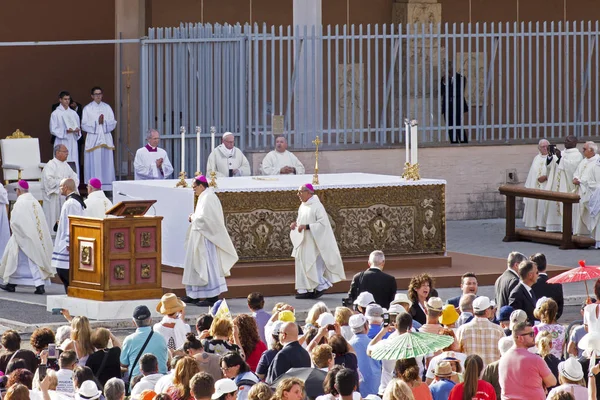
(473, 173)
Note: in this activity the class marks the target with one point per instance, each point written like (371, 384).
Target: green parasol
(409, 345)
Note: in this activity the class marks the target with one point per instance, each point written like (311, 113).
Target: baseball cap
(223, 386)
(286, 316)
(481, 303)
(504, 314)
(374, 311)
(141, 313)
(325, 319)
(435, 304)
(505, 344)
(364, 299)
(357, 321)
(516, 317)
(276, 328)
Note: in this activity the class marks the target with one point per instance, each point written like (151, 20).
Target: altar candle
(413, 144)
(213, 130)
(182, 130)
(407, 138)
(198, 131)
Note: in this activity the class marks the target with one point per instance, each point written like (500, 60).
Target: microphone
(136, 198)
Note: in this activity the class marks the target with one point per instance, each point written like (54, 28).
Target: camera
(551, 149)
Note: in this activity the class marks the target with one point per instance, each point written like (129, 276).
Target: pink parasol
(582, 273)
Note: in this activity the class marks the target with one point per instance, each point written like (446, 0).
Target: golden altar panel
(405, 219)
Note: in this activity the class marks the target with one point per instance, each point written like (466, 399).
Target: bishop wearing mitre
(226, 160)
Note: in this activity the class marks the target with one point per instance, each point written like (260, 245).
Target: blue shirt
(440, 390)
(133, 344)
(370, 369)
(262, 317)
(374, 330)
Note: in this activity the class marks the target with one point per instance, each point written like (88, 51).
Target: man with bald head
(152, 162)
(74, 205)
(318, 260)
(227, 160)
(292, 355)
(280, 161)
(53, 173)
(538, 179)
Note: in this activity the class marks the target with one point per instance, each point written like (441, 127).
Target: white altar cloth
(176, 204)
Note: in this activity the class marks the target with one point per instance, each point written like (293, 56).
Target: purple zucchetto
(201, 178)
(309, 187)
(23, 184)
(95, 183)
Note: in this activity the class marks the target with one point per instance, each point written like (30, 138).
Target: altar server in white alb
(533, 214)
(209, 251)
(581, 180)
(65, 126)
(280, 161)
(152, 162)
(591, 203)
(318, 261)
(26, 258)
(227, 160)
(4, 227)
(53, 173)
(73, 206)
(99, 121)
(96, 203)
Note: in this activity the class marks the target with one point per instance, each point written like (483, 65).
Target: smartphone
(56, 311)
(51, 350)
(386, 319)
(330, 327)
(42, 371)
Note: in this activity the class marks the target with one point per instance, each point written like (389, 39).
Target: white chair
(20, 154)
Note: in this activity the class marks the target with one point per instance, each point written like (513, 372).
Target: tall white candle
(213, 130)
(414, 143)
(407, 139)
(198, 131)
(182, 130)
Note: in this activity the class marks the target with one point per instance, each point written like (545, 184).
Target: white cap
(571, 369)
(364, 299)
(481, 303)
(516, 317)
(357, 321)
(223, 386)
(227, 134)
(374, 311)
(402, 298)
(505, 344)
(396, 309)
(325, 319)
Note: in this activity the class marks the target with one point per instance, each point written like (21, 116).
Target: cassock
(97, 204)
(539, 167)
(99, 145)
(318, 260)
(145, 163)
(26, 258)
(223, 161)
(592, 203)
(583, 173)
(74, 205)
(4, 227)
(561, 180)
(210, 253)
(274, 161)
(60, 121)
(54, 172)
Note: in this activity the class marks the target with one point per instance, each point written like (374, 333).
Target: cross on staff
(127, 73)
(316, 142)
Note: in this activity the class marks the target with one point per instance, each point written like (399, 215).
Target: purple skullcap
(201, 178)
(23, 184)
(95, 183)
(309, 187)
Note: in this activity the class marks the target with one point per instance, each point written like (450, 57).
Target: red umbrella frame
(581, 273)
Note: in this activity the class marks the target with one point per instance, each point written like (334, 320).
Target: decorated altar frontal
(367, 212)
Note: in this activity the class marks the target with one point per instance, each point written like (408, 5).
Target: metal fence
(354, 85)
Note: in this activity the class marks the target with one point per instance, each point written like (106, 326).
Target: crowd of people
(499, 348)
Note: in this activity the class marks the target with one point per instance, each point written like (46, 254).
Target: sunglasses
(530, 334)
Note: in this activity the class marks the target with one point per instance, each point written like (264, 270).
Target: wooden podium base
(101, 310)
(113, 295)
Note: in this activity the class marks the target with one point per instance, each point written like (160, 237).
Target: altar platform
(367, 212)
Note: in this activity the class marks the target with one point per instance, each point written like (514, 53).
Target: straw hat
(444, 370)
(169, 304)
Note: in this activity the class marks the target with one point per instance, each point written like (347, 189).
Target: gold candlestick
(315, 180)
(411, 172)
(197, 173)
(213, 179)
(182, 183)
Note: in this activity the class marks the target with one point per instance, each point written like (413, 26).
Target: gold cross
(317, 142)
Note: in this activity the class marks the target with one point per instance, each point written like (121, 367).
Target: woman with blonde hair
(185, 369)
(342, 317)
(313, 314)
(81, 337)
(407, 370)
(397, 389)
(543, 342)
(260, 391)
(473, 388)
(546, 310)
(289, 389)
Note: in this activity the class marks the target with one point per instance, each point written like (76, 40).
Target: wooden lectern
(116, 258)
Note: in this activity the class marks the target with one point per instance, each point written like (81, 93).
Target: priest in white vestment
(318, 260)
(26, 258)
(98, 122)
(209, 251)
(152, 162)
(537, 179)
(227, 160)
(74, 205)
(592, 203)
(280, 161)
(66, 127)
(561, 180)
(581, 179)
(96, 204)
(4, 227)
(53, 173)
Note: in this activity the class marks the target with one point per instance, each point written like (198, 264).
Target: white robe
(60, 121)
(274, 161)
(4, 226)
(97, 204)
(592, 203)
(60, 255)
(583, 172)
(221, 160)
(210, 253)
(561, 181)
(99, 145)
(30, 239)
(145, 167)
(54, 172)
(317, 243)
(538, 169)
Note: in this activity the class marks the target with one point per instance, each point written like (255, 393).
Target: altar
(367, 212)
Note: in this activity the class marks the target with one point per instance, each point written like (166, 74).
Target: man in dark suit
(522, 296)
(468, 285)
(291, 356)
(375, 281)
(509, 278)
(542, 288)
(454, 104)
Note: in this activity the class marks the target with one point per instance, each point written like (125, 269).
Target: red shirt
(485, 391)
(253, 358)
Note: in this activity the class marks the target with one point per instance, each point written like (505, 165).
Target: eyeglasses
(225, 368)
(97, 94)
(530, 334)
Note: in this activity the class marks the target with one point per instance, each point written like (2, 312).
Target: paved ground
(24, 311)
